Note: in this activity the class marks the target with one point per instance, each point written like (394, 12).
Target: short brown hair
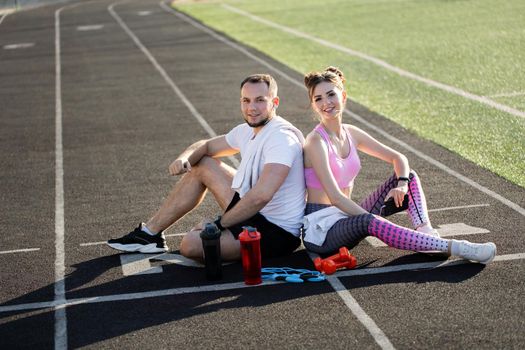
(330, 74)
(262, 78)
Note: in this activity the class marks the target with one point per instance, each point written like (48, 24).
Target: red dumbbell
(330, 266)
(343, 255)
(341, 260)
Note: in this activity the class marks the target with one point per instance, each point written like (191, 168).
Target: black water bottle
(212, 251)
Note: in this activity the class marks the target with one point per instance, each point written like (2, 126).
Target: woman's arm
(316, 156)
(369, 145)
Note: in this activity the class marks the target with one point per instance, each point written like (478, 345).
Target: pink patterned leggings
(351, 230)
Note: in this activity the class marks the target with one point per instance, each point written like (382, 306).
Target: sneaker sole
(433, 252)
(141, 248)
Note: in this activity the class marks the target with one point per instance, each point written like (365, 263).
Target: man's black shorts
(275, 241)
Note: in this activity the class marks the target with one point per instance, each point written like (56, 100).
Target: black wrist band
(402, 178)
(217, 222)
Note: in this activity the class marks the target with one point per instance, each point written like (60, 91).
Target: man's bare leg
(191, 245)
(189, 191)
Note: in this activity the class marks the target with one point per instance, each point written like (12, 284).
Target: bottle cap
(249, 234)
(211, 231)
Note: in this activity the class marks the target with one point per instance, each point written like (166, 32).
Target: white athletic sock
(147, 230)
(454, 247)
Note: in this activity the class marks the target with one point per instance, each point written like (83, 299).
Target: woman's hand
(180, 166)
(398, 193)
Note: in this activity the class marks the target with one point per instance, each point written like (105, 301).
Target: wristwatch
(403, 178)
(217, 222)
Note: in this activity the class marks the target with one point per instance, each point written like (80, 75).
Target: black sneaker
(140, 241)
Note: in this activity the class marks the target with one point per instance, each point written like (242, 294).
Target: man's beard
(258, 124)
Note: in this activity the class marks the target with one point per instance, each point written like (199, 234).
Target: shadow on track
(95, 322)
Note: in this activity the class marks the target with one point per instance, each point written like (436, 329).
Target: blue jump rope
(289, 274)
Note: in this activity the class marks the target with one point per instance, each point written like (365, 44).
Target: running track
(98, 97)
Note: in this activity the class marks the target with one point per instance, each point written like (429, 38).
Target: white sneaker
(478, 252)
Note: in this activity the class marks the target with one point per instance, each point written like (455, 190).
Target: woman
(331, 162)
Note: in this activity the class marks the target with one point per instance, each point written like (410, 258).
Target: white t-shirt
(286, 209)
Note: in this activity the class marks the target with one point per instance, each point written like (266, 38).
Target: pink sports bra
(344, 169)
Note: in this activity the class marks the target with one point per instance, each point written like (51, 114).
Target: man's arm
(269, 182)
(215, 147)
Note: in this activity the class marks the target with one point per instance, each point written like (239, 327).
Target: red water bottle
(251, 255)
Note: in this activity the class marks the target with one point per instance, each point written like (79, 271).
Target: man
(266, 192)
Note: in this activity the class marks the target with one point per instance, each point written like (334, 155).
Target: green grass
(477, 46)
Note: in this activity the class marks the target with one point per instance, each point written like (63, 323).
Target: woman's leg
(417, 203)
(349, 231)
(404, 238)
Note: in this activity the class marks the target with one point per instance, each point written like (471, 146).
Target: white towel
(317, 224)
(248, 172)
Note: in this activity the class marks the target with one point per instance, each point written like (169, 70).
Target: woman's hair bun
(337, 72)
(330, 74)
(310, 77)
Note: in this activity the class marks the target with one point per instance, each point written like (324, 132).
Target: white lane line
(375, 242)
(381, 63)
(25, 250)
(167, 78)
(140, 264)
(19, 250)
(509, 257)
(90, 27)
(451, 208)
(376, 332)
(357, 117)
(380, 338)
(458, 207)
(60, 289)
(137, 264)
(92, 243)
(241, 285)
(509, 94)
(28, 306)
(4, 16)
(141, 295)
(104, 242)
(18, 46)
(459, 229)
(421, 266)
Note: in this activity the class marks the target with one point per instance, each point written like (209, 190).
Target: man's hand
(215, 147)
(180, 166)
